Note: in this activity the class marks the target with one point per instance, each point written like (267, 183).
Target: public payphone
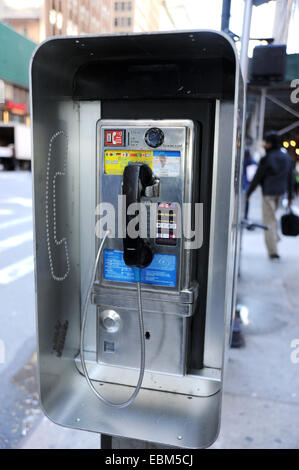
(153, 162)
(137, 147)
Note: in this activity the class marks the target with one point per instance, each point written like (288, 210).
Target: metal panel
(166, 418)
(56, 208)
(90, 112)
(200, 383)
(222, 236)
(166, 342)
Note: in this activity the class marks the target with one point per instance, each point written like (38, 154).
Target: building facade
(72, 17)
(25, 19)
(15, 58)
(135, 15)
(40, 19)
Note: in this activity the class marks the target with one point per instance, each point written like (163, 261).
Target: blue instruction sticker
(161, 271)
(167, 153)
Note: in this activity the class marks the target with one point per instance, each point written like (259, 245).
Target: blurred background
(261, 401)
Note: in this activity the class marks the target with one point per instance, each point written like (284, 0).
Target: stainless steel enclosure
(189, 85)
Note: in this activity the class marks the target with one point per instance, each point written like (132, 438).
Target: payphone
(152, 161)
(137, 150)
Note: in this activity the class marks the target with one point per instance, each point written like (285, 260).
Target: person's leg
(277, 205)
(269, 219)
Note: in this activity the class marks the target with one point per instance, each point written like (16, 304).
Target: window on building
(123, 21)
(105, 11)
(129, 6)
(52, 17)
(116, 6)
(59, 20)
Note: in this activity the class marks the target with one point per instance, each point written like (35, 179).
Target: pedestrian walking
(275, 176)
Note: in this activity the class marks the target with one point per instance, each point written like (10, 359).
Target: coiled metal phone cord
(141, 329)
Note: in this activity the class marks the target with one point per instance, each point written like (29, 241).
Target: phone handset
(138, 178)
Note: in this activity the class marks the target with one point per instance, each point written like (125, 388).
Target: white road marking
(6, 212)
(17, 240)
(12, 223)
(15, 271)
(15, 175)
(22, 201)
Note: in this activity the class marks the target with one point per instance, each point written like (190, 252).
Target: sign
(161, 271)
(117, 160)
(2, 91)
(163, 163)
(16, 108)
(115, 138)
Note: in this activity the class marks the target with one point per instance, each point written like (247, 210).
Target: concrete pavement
(261, 400)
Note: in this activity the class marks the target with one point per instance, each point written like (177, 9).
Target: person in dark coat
(275, 175)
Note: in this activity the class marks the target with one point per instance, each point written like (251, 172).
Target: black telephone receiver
(136, 178)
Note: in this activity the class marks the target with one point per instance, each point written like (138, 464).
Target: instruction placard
(161, 271)
(117, 160)
(162, 162)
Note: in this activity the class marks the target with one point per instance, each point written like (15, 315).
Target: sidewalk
(261, 399)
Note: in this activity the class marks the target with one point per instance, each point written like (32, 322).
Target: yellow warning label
(117, 160)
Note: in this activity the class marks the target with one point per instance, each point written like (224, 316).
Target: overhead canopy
(277, 118)
(15, 55)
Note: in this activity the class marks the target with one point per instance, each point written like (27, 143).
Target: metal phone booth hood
(91, 97)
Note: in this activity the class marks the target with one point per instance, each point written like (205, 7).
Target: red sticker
(115, 138)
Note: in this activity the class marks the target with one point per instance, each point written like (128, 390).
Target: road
(18, 391)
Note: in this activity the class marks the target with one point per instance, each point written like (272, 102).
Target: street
(18, 392)
(261, 400)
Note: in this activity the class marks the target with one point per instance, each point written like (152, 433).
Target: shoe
(274, 257)
(237, 339)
